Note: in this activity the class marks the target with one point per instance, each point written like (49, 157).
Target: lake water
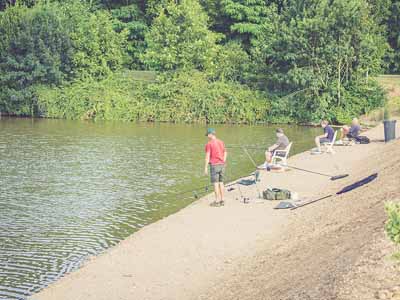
(70, 190)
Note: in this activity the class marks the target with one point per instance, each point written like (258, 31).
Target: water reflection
(70, 190)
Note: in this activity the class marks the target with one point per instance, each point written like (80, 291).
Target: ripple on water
(70, 190)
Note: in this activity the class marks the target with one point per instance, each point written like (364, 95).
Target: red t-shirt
(216, 148)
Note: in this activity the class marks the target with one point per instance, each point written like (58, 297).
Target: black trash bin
(390, 130)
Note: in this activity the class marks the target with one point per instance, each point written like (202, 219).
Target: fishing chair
(281, 155)
(329, 146)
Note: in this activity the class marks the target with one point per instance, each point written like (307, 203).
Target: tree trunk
(338, 82)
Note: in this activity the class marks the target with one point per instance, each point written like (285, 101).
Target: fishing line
(248, 147)
(208, 187)
(332, 177)
(251, 159)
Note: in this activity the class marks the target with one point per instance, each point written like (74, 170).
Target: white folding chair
(329, 146)
(281, 155)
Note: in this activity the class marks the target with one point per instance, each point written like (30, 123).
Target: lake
(72, 189)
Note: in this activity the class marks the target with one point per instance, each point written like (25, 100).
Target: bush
(192, 97)
(181, 97)
(358, 99)
(189, 96)
(119, 96)
(392, 225)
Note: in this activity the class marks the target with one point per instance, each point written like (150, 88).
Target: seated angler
(327, 137)
(351, 132)
(281, 144)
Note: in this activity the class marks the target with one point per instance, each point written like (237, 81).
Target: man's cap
(210, 131)
(279, 130)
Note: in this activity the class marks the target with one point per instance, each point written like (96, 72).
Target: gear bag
(362, 139)
(276, 194)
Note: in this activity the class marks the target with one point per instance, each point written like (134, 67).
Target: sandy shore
(251, 251)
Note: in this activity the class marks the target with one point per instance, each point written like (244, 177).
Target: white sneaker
(316, 152)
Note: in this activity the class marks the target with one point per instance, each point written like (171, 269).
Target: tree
(244, 18)
(6, 3)
(393, 29)
(179, 38)
(30, 53)
(98, 49)
(319, 49)
(49, 44)
(132, 20)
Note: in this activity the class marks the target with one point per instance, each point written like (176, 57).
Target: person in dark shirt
(327, 137)
(351, 132)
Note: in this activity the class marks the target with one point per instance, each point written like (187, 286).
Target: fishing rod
(332, 177)
(310, 202)
(248, 147)
(205, 189)
(256, 173)
(346, 189)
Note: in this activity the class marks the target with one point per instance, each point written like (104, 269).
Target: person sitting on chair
(327, 137)
(281, 144)
(350, 132)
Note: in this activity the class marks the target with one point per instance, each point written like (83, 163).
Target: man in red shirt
(215, 160)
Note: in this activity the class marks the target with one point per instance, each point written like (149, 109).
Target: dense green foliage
(216, 61)
(179, 39)
(185, 97)
(392, 225)
(393, 26)
(50, 44)
(131, 19)
(328, 54)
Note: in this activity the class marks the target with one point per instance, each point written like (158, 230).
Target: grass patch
(391, 84)
(396, 256)
(389, 81)
(148, 76)
(392, 225)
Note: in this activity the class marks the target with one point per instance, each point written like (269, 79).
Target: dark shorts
(217, 173)
(278, 153)
(324, 140)
(350, 136)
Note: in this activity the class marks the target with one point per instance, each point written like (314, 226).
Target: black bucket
(390, 130)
